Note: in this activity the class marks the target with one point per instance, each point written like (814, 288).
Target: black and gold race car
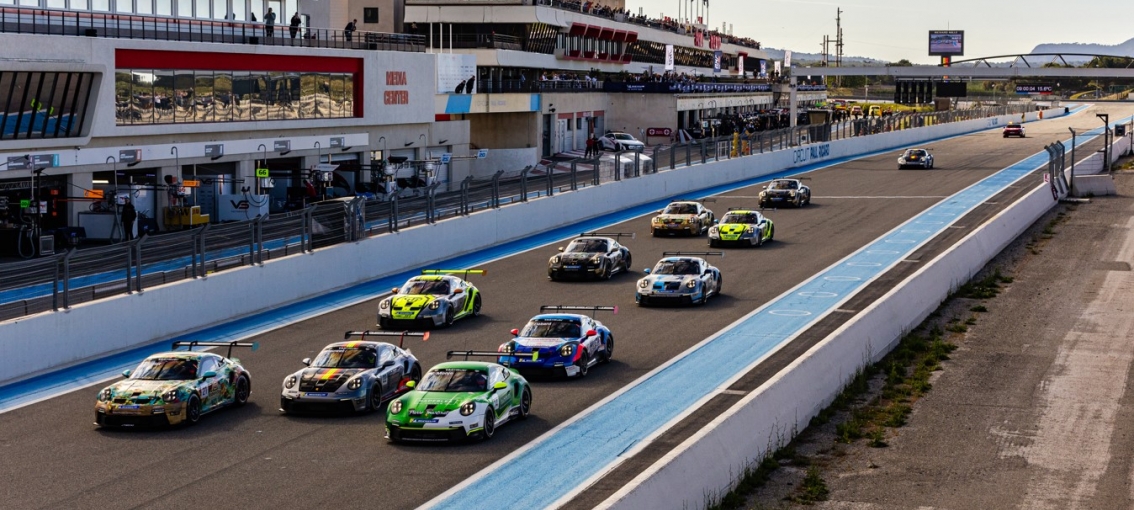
(591, 255)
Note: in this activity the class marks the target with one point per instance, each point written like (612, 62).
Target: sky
(892, 30)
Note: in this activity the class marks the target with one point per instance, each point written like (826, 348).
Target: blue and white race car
(680, 277)
(557, 343)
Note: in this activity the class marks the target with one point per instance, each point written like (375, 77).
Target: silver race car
(920, 158)
(436, 298)
(785, 192)
(353, 375)
(680, 277)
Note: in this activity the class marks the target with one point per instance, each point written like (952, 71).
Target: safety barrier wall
(708, 463)
(53, 340)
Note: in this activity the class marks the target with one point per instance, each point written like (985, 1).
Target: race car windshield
(454, 381)
(166, 369)
(623, 136)
(552, 329)
(915, 154)
(346, 358)
(680, 209)
(783, 185)
(586, 246)
(676, 267)
(435, 287)
(740, 218)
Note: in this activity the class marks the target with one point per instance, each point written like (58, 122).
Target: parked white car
(621, 142)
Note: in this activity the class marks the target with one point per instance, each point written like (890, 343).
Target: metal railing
(80, 275)
(24, 20)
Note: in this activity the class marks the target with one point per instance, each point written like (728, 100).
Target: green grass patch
(979, 309)
(812, 490)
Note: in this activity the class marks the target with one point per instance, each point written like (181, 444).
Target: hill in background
(1125, 49)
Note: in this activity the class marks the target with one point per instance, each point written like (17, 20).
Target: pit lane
(254, 457)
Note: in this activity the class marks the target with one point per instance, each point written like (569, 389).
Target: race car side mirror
(646, 270)
(765, 187)
(306, 361)
(458, 291)
(125, 373)
(411, 384)
(209, 374)
(560, 248)
(716, 222)
(394, 290)
(591, 332)
(515, 332)
(499, 385)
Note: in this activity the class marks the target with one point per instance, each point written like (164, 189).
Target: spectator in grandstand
(294, 27)
(270, 23)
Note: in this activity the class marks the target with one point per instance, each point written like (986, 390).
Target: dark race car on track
(175, 387)
(920, 158)
(459, 400)
(591, 255)
(436, 298)
(785, 192)
(680, 277)
(560, 344)
(742, 227)
(355, 375)
(687, 217)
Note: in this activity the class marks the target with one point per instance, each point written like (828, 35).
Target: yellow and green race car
(436, 298)
(742, 226)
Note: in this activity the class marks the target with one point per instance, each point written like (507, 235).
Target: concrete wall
(708, 462)
(46, 341)
(504, 130)
(634, 113)
(510, 161)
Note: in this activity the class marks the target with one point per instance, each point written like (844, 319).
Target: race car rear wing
(400, 334)
(702, 200)
(194, 343)
(691, 253)
(468, 354)
(616, 235)
(464, 272)
(566, 308)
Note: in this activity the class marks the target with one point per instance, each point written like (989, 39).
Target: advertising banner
(716, 61)
(669, 57)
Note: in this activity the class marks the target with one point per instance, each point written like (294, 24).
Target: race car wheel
(489, 423)
(449, 317)
(193, 410)
(415, 373)
(626, 263)
(771, 233)
(374, 398)
(525, 403)
(476, 306)
(584, 364)
(712, 243)
(808, 201)
(757, 241)
(798, 201)
(608, 353)
(605, 271)
(383, 323)
(243, 390)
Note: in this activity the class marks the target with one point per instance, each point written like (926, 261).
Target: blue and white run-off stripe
(567, 459)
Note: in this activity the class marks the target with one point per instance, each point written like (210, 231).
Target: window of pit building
(370, 15)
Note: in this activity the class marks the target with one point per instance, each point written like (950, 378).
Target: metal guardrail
(81, 275)
(26, 20)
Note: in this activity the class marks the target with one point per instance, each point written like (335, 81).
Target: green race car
(459, 400)
(742, 226)
(436, 298)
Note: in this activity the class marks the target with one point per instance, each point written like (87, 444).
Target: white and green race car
(459, 400)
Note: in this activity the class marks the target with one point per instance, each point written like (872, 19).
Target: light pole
(264, 153)
(1106, 140)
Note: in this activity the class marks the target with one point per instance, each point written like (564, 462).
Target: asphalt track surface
(254, 457)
